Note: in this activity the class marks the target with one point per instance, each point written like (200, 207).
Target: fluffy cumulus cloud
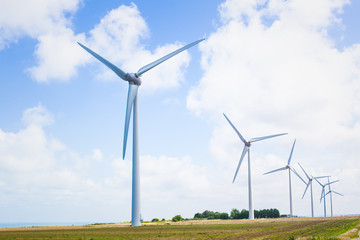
(39, 173)
(20, 18)
(49, 23)
(272, 66)
(118, 37)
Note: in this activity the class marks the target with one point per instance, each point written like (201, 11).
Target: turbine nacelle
(133, 78)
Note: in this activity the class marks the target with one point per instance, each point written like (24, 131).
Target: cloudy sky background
(272, 66)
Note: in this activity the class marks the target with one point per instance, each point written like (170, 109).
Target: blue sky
(271, 66)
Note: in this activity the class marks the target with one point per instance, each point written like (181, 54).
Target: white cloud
(58, 56)
(40, 170)
(43, 172)
(33, 18)
(283, 75)
(119, 32)
(37, 116)
(49, 22)
(97, 154)
(118, 37)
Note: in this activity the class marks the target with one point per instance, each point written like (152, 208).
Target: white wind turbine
(323, 191)
(330, 191)
(246, 149)
(307, 186)
(132, 105)
(289, 168)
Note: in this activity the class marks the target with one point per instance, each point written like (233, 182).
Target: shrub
(155, 220)
(224, 215)
(177, 218)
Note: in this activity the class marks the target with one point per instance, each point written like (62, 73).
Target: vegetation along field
(283, 228)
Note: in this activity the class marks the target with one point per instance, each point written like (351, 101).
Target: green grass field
(305, 228)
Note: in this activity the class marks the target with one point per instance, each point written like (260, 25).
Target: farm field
(284, 228)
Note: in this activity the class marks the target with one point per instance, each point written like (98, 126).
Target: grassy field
(285, 228)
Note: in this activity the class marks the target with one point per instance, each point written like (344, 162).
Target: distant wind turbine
(310, 179)
(323, 191)
(289, 168)
(132, 105)
(330, 191)
(246, 149)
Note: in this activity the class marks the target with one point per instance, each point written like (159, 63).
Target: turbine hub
(133, 77)
(248, 144)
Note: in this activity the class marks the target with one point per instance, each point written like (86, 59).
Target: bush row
(235, 214)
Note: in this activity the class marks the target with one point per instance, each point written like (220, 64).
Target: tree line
(236, 214)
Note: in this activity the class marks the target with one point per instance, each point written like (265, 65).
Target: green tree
(208, 213)
(235, 214)
(275, 213)
(155, 220)
(224, 215)
(198, 215)
(177, 218)
(244, 214)
(217, 215)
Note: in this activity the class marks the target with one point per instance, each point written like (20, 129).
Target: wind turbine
(132, 105)
(246, 149)
(310, 179)
(330, 191)
(287, 167)
(323, 192)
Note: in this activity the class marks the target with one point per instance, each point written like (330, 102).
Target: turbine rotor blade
(304, 172)
(245, 150)
(319, 182)
(114, 68)
(321, 177)
(133, 88)
(307, 186)
(238, 133)
(266, 137)
(160, 60)
(292, 149)
(276, 170)
(331, 182)
(337, 193)
(294, 171)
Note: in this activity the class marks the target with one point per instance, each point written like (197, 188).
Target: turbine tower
(246, 149)
(132, 105)
(289, 168)
(330, 191)
(310, 179)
